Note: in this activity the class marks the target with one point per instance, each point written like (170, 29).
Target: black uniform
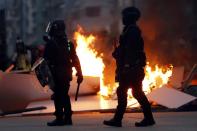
(131, 60)
(61, 57)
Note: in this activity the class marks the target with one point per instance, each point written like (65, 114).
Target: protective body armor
(129, 54)
(61, 53)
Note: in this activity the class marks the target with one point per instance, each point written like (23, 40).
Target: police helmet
(56, 28)
(131, 13)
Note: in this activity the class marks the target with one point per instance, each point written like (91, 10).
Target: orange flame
(156, 78)
(92, 65)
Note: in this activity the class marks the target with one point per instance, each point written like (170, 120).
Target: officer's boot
(59, 121)
(68, 120)
(145, 122)
(113, 122)
(68, 117)
(148, 116)
(117, 119)
(122, 103)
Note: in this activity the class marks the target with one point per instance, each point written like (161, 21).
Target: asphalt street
(92, 121)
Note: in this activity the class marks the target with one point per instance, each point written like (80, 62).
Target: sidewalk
(92, 121)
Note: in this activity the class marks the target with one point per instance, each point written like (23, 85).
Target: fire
(92, 65)
(156, 78)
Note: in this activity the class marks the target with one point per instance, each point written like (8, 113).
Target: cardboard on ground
(170, 97)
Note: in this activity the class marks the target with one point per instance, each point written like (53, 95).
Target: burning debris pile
(93, 65)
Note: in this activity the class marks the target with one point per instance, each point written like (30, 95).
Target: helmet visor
(48, 27)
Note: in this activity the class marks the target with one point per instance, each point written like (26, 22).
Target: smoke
(169, 29)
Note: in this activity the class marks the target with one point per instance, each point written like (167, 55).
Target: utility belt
(128, 71)
(127, 68)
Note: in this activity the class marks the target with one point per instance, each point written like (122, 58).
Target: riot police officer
(61, 57)
(131, 60)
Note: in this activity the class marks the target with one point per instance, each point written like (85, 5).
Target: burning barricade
(156, 78)
(21, 89)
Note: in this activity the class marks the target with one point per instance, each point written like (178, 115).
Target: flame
(156, 78)
(92, 65)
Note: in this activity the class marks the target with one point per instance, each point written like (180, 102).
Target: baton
(77, 92)
(37, 63)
